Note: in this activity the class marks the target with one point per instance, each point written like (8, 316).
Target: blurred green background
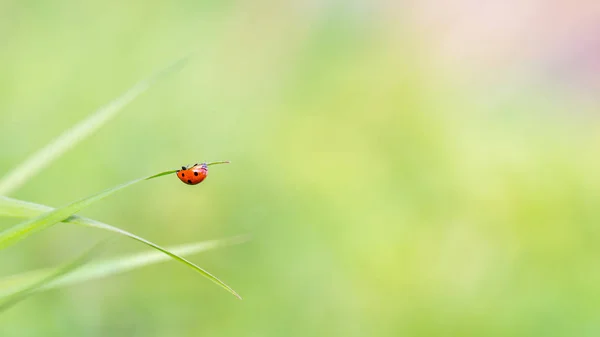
(394, 183)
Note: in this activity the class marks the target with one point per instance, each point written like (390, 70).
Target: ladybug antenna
(217, 163)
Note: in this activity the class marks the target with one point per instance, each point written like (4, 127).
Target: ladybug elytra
(196, 173)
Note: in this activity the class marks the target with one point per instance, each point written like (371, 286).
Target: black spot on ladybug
(189, 181)
(195, 173)
(182, 174)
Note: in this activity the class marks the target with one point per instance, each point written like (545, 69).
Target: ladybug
(194, 174)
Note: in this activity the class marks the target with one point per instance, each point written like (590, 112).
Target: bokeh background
(406, 168)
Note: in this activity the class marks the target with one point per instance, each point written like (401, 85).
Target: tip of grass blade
(173, 67)
(234, 293)
(218, 162)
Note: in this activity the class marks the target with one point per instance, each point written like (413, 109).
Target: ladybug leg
(184, 168)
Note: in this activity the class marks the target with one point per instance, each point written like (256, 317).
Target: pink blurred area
(551, 41)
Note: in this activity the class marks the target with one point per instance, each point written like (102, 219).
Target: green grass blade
(20, 231)
(109, 267)
(17, 208)
(45, 278)
(20, 174)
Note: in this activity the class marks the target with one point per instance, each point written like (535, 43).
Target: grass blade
(45, 278)
(109, 267)
(20, 231)
(20, 174)
(22, 209)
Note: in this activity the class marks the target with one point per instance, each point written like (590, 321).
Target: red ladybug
(194, 174)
